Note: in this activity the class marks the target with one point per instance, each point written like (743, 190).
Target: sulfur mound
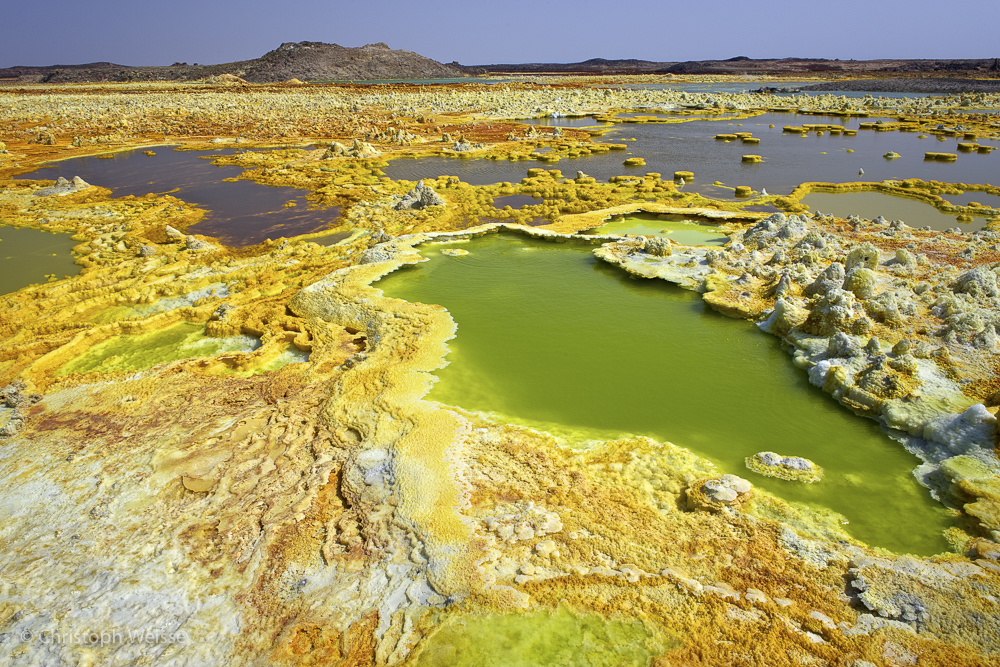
(715, 493)
(791, 468)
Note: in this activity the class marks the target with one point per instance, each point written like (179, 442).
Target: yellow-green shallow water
(164, 304)
(558, 638)
(673, 227)
(183, 340)
(548, 336)
(30, 256)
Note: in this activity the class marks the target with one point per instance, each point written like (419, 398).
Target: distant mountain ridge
(753, 67)
(592, 66)
(307, 61)
(318, 61)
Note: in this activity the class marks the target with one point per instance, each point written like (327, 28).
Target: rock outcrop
(419, 197)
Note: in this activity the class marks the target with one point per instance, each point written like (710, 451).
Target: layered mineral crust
(326, 513)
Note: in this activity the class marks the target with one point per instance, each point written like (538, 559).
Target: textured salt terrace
(329, 511)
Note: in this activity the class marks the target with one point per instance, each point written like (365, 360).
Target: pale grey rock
(841, 346)
(173, 234)
(774, 229)
(831, 278)
(726, 488)
(192, 243)
(63, 187)
(374, 255)
(905, 258)
(979, 283)
(14, 424)
(419, 197)
(223, 311)
(861, 281)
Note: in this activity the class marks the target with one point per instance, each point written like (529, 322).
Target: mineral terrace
(324, 513)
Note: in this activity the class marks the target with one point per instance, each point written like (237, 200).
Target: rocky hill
(307, 61)
(311, 61)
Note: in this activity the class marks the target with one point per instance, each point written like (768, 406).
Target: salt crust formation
(324, 513)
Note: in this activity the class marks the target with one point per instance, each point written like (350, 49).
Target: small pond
(30, 256)
(913, 212)
(562, 121)
(240, 213)
(550, 337)
(537, 639)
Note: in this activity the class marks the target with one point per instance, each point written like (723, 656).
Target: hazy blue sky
(139, 32)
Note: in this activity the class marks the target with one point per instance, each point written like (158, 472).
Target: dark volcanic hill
(307, 61)
(310, 61)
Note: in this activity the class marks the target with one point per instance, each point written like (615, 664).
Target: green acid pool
(547, 638)
(680, 229)
(551, 337)
(33, 256)
(184, 340)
